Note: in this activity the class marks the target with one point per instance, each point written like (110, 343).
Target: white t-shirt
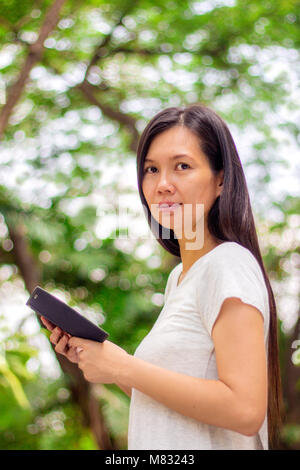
(180, 340)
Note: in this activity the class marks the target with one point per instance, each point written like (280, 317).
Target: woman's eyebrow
(172, 158)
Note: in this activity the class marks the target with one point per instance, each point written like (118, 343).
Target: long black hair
(230, 218)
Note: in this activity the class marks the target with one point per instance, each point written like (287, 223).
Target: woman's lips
(169, 207)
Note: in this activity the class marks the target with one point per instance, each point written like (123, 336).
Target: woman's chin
(169, 222)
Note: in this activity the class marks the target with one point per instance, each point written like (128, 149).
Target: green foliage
(14, 354)
(291, 435)
(54, 422)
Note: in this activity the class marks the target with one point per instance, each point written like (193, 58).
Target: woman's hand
(100, 362)
(61, 341)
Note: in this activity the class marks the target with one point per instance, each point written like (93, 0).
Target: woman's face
(176, 170)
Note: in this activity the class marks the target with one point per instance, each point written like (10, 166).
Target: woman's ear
(220, 182)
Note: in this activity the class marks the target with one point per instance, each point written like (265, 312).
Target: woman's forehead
(174, 142)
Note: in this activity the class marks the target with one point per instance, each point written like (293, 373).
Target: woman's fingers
(56, 335)
(50, 326)
(60, 339)
(64, 348)
(62, 345)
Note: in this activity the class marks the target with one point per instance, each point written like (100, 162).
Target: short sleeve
(227, 277)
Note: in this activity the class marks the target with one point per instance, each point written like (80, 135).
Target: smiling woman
(219, 321)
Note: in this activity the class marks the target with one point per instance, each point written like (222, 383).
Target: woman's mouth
(169, 207)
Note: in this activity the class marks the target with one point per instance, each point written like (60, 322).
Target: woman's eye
(146, 169)
(184, 164)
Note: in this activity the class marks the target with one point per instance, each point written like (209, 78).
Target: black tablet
(68, 319)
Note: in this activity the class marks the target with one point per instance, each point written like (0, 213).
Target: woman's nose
(165, 183)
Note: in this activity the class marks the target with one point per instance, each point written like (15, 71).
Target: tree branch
(100, 50)
(34, 55)
(88, 90)
(125, 119)
(143, 51)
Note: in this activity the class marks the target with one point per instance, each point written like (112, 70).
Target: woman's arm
(238, 399)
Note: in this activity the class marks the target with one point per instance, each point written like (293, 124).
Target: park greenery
(79, 80)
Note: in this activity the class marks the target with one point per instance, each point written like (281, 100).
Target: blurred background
(79, 80)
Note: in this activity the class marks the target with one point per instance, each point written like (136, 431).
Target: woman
(207, 374)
